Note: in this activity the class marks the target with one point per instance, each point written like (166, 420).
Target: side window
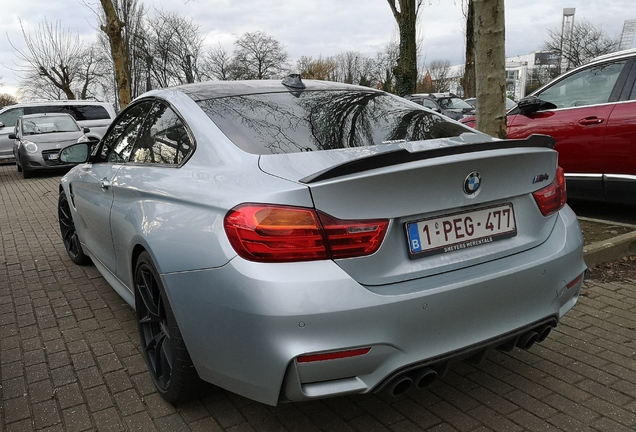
(163, 139)
(10, 118)
(429, 104)
(41, 109)
(89, 112)
(590, 86)
(118, 144)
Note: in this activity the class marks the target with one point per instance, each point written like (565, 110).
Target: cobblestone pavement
(70, 360)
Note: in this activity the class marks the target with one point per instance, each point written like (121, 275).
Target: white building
(522, 71)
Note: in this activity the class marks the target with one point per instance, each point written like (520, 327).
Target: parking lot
(70, 360)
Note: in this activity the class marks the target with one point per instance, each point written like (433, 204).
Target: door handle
(104, 184)
(587, 121)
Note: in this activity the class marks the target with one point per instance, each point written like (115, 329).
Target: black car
(445, 103)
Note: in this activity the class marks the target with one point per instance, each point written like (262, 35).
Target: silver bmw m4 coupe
(296, 240)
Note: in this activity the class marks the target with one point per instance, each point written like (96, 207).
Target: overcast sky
(318, 27)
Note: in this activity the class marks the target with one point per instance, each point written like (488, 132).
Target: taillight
(352, 238)
(552, 198)
(270, 233)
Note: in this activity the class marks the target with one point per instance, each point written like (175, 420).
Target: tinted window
(118, 143)
(323, 120)
(429, 104)
(80, 112)
(163, 139)
(589, 86)
(10, 118)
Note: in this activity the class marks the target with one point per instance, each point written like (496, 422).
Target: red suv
(591, 113)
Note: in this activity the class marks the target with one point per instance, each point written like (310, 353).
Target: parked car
(473, 103)
(38, 139)
(444, 103)
(91, 114)
(305, 239)
(590, 113)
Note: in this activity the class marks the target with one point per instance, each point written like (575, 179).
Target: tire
(19, 166)
(68, 232)
(26, 173)
(164, 350)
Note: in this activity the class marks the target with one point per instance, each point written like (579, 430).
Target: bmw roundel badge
(472, 182)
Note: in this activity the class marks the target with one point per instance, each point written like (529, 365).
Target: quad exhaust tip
(424, 377)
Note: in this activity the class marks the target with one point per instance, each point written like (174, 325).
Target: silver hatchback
(298, 240)
(38, 139)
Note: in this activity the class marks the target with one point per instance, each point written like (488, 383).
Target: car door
(140, 207)
(93, 190)
(9, 119)
(583, 101)
(620, 145)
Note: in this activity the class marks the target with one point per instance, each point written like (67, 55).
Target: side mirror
(529, 105)
(532, 104)
(86, 130)
(76, 153)
(12, 136)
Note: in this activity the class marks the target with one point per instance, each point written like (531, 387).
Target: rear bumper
(245, 324)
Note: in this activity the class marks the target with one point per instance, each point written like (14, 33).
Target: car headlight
(30, 146)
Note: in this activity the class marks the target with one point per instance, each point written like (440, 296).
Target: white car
(91, 114)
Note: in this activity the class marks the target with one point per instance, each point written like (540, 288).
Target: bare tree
(439, 71)
(53, 54)
(217, 64)
(320, 69)
(384, 64)
(405, 71)
(174, 46)
(259, 56)
(113, 26)
(586, 42)
(490, 66)
(348, 67)
(7, 99)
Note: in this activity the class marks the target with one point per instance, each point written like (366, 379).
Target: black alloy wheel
(69, 234)
(163, 347)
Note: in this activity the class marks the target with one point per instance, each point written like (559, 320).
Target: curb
(611, 249)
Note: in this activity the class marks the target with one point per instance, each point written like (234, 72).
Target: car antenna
(293, 81)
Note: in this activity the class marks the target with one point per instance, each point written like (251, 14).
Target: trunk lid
(425, 181)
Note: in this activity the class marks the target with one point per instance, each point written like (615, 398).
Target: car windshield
(291, 122)
(453, 103)
(48, 124)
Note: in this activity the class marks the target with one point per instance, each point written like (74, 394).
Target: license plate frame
(460, 230)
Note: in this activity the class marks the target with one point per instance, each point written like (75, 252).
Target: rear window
(80, 112)
(323, 120)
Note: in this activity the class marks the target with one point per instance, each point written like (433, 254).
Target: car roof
(218, 89)
(618, 54)
(54, 102)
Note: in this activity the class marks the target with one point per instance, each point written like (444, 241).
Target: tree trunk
(469, 70)
(490, 66)
(119, 51)
(406, 69)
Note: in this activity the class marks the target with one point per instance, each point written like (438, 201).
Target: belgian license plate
(461, 230)
(53, 156)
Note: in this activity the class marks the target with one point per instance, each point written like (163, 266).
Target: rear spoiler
(401, 156)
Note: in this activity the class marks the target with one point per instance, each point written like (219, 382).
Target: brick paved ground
(70, 361)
